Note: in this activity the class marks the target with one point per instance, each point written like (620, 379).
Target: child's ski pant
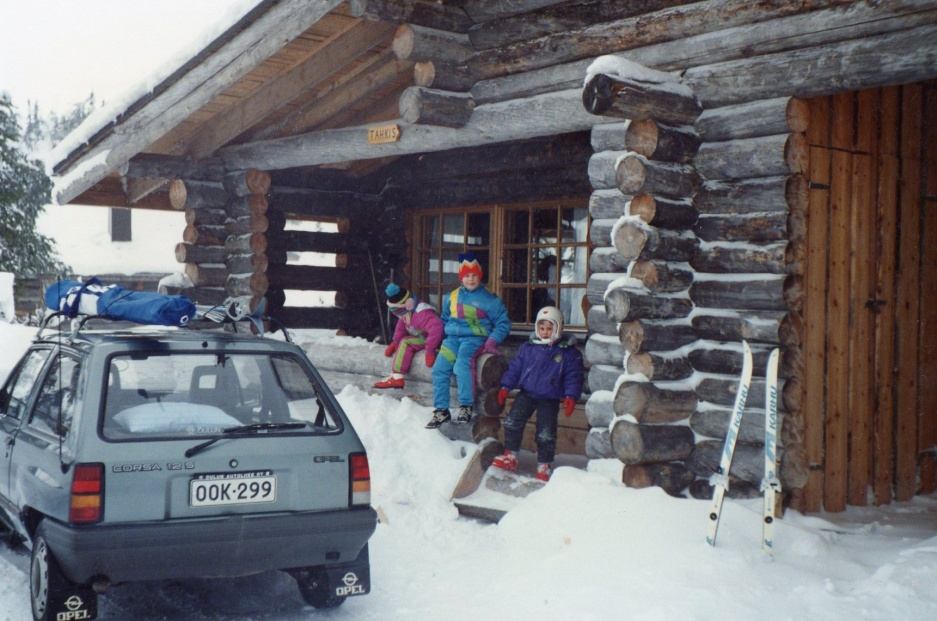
(455, 355)
(405, 351)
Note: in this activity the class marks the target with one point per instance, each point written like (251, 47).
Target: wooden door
(870, 407)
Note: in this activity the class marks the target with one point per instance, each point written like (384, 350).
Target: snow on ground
(583, 548)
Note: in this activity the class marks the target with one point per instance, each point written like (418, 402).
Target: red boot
(390, 382)
(506, 461)
(543, 472)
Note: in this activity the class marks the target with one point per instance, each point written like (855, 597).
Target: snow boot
(390, 382)
(543, 472)
(506, 461)
(439, 417)
(464, 415)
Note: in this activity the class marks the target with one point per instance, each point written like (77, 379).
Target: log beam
(428, 106)
(632, 99)
(647, 444)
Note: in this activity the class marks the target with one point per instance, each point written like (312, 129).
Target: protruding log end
(597, 95)
(403, 41)
(631, 174)
(177, 194)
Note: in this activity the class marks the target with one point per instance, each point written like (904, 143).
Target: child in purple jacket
(547, 369)
(418, 327)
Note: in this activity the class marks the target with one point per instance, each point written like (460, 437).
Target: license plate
(235, 488)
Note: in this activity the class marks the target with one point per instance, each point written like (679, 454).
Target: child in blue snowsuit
(547, 369)
(474, 319)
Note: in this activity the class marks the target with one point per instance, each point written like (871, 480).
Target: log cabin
(675, 176)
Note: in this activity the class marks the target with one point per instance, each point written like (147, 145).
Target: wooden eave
(339, 71)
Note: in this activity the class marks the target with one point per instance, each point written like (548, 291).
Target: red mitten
(569, 404)
(389, 351)
(430, 358)
(502, 397)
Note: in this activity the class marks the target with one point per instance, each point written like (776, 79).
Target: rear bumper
(234, 545)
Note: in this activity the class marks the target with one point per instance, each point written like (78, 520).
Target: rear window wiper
(243, 430)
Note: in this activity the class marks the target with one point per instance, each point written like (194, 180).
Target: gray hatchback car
(160, 454)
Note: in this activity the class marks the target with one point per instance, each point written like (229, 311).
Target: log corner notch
(616, 86)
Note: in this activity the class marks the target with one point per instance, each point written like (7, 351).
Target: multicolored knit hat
(468, 264)
(396, 295)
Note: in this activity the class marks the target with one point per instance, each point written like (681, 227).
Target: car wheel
(50, 592)
(315, 589)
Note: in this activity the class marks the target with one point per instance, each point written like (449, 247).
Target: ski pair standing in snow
(548, 370)
(418, 328)
(475, 321)
(770, 484)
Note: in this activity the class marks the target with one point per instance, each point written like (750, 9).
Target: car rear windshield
(192, 395)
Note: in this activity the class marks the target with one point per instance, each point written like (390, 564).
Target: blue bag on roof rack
(74, 298)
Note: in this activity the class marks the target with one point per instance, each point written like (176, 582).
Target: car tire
(49, 589)
(315, 588)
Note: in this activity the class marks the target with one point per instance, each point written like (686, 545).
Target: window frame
(497, 249)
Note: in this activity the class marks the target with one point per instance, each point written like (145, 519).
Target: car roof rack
(204, 320)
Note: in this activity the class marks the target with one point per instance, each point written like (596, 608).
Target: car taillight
(360, 479)
(87, 497)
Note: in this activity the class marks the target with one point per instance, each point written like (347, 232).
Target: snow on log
(757, 227)
(242, 263)
(748, 461)
(599, 322)
(750, 293)
(650, 404)
(636, 240)
(760, 326)
(661, 277)
(243, 244)
(252, 285)
(635, 174)
(663, 212)
(730, 259)
(599, 444)
(600, 232)
(765, 117)
(672, 477)
(638, 336)
(603, 376)
(623, 304)
(602, 349)
(599, 412)
(745, 158)
(631, 98)
(714, 423)
(747, 195)
(608, 203)
(607, 260)
(646, 444)
(658, 368)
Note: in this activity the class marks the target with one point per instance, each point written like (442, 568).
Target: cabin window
(533, 254)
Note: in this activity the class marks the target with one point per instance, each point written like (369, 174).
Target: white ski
(720, 480)
(770, 485)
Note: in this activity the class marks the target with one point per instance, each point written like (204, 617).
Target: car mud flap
(353, 578)
(78, 604)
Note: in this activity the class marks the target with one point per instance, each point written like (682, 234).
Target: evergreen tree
(25, 190)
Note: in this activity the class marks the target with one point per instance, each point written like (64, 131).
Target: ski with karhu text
(770, 485)
(720, 480)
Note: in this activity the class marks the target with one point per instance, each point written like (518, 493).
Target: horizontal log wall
(355, 309)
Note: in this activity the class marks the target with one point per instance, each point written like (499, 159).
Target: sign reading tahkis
(383, 133)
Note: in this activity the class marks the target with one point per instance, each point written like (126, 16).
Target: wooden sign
(383, 134)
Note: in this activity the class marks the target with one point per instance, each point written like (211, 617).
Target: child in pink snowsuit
(418, 327)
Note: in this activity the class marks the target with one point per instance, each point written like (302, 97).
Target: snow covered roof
(260, 57)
